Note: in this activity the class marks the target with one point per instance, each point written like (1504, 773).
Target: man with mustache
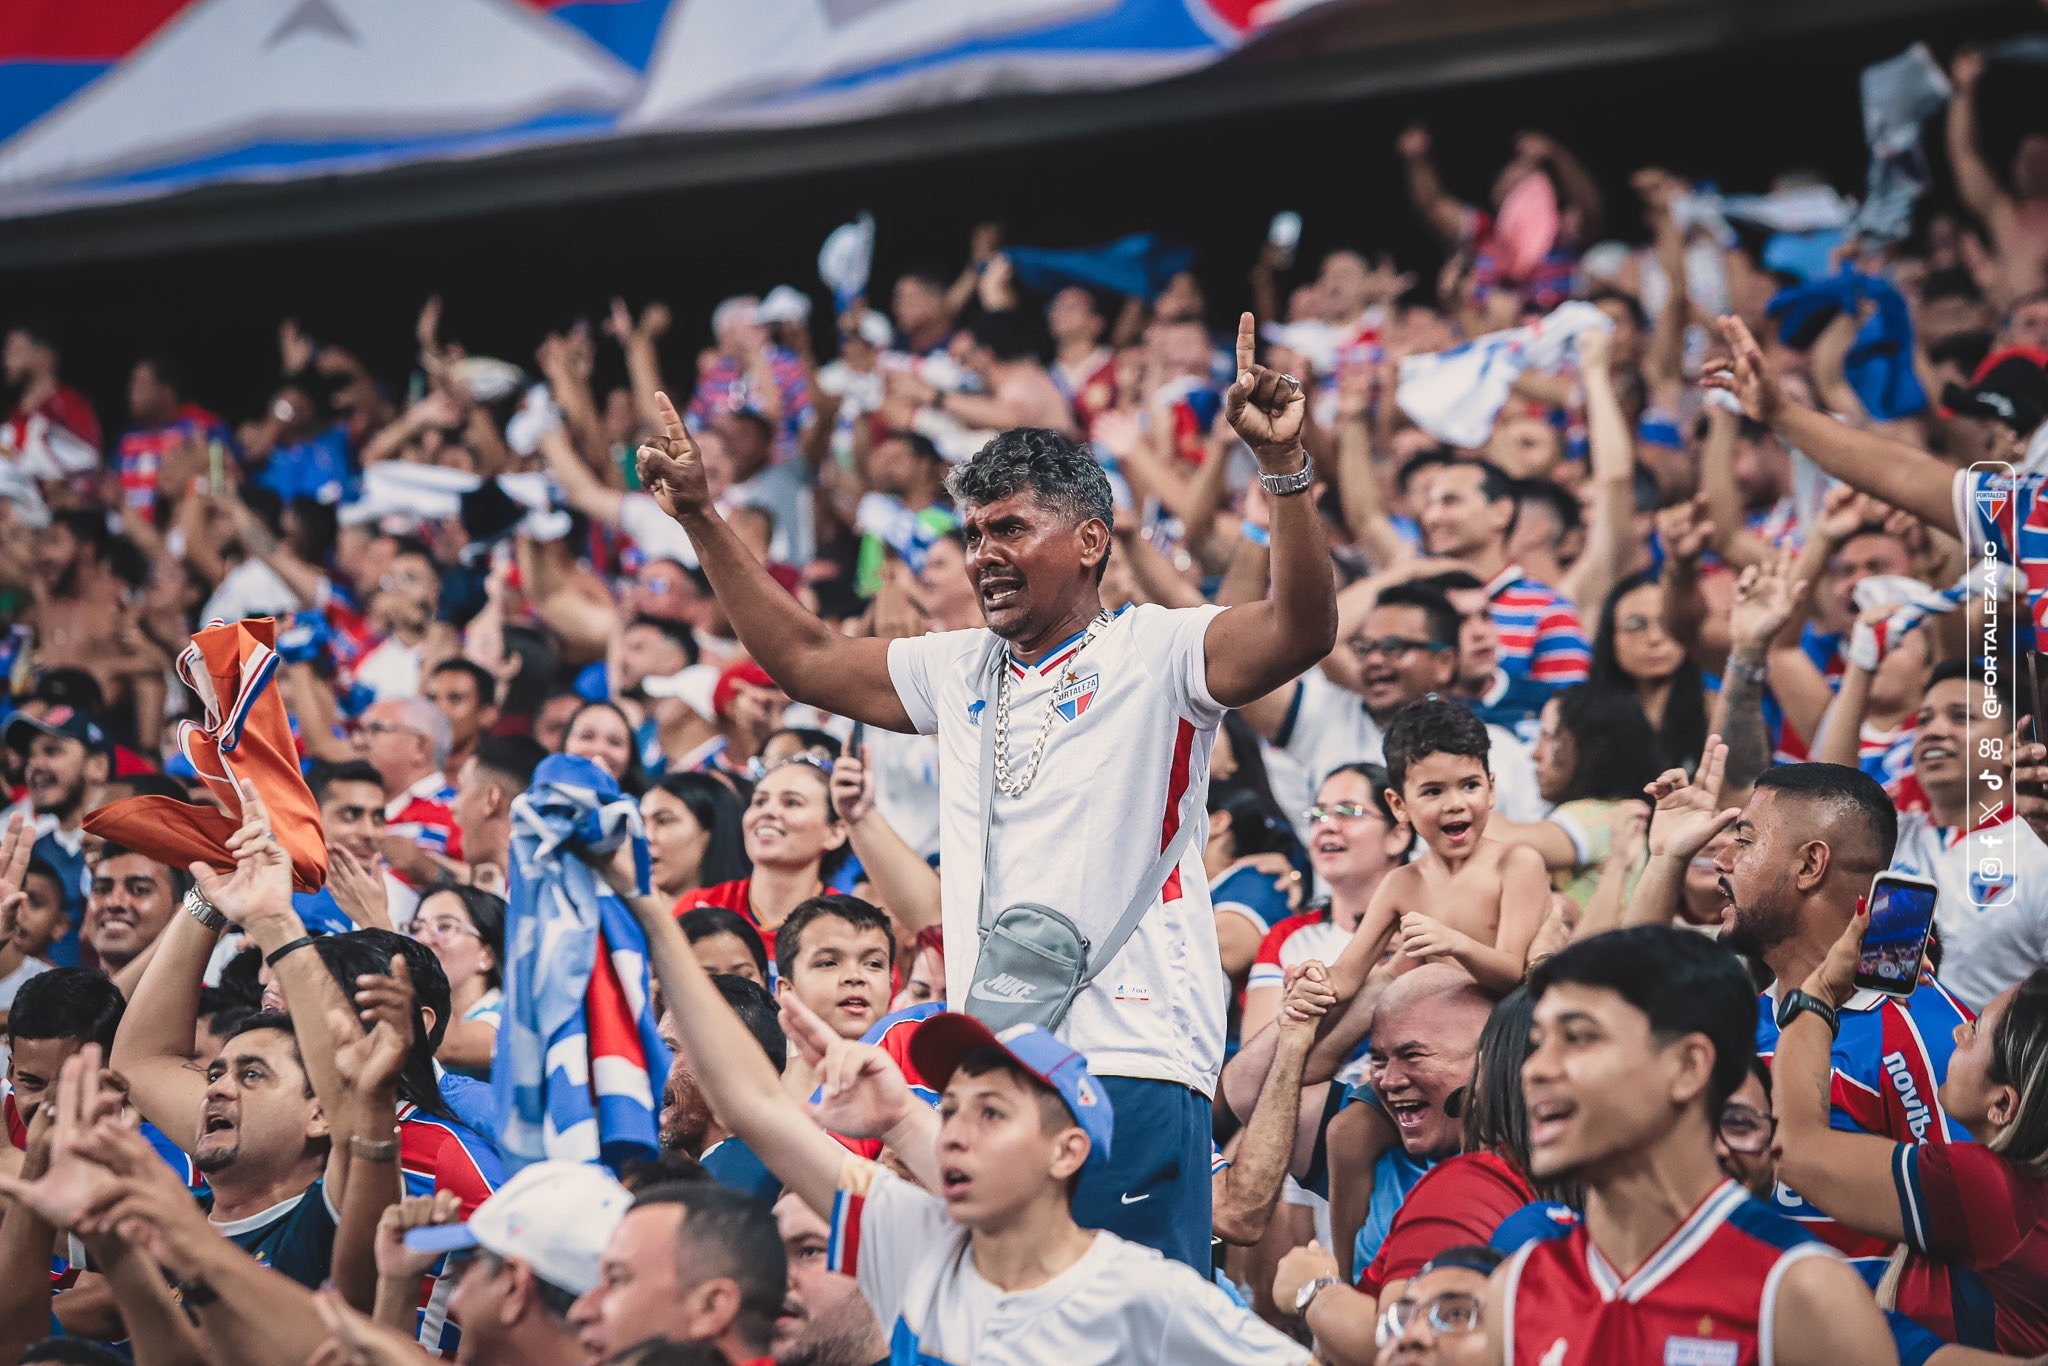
(1102, 724)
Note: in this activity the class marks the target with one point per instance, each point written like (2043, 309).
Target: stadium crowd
(1022, 821)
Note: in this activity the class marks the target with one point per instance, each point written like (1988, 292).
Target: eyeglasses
(1449, 1314)
(386, 728)
(1637, 625)
(1349, 811)
(1746, 1129)
(1365, 647)
(443, 929)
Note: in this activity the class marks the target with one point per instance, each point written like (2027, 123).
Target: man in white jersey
(985, 1263)
(1992, 910)
(1103, 727)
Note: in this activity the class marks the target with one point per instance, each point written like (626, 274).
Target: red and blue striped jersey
(435, 1155)
(1888, 1062)
(1977, 1226)
(1539, 630)
(1705, 1297)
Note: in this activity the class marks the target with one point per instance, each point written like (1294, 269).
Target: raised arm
(1246, 1191)
(1975, 183)
(1255, 647)
(1601, 564)
(1688, 815)
(1846, 1175)
(812, 662)
(1889, 470)
(736, 1076)
(153, 1048)
(903, 881)
(1426, 188)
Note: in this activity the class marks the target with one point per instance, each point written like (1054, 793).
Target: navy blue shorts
(1154, 1189)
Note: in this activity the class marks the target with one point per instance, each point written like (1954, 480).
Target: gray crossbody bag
(1034, 961)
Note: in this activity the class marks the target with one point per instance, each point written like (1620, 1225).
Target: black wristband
(301, 942)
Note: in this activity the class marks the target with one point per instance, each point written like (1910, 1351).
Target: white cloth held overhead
(1455, 395)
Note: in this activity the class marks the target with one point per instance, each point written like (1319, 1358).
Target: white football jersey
(1120, 1303)
(1982, 951)
(1127, 761)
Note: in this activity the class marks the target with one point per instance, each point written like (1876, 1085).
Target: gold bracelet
(384, 1151)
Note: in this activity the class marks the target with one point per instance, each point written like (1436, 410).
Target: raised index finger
(1247, 343)
(671, 420)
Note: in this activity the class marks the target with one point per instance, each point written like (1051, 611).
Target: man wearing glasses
(1437, 1319)
(1404, 649)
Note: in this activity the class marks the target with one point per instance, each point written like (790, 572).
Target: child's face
(41, 920)
(1447, 798)
(842, 973)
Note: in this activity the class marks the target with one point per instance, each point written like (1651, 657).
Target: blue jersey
(1888, 1062)
(1252, 894)
(72, 881)
(730, 1162)
(295, 1238)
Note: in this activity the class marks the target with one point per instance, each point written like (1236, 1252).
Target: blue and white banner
(110, 100)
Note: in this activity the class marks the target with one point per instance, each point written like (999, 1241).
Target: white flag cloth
(1455, 395)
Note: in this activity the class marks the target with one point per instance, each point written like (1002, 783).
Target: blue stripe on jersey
(1916, 1346)
(1976, 1315)
(1912, 1199)
(904, 1349)
(1766, 1225)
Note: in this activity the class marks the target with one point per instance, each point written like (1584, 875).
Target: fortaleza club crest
(1074, 694)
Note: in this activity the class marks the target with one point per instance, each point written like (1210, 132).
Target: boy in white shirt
(993, 1268)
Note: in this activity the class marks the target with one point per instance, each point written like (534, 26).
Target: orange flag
(247, 735)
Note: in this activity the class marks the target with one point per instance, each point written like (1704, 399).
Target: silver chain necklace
(1009, 786)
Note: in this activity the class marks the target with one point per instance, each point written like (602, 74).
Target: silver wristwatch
(1306, 1296)
(1280, 485)
(203, 911)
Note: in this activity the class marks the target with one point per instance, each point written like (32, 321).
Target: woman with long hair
(693, 834)
(795, 840)
(1973, 1217)
(1595, 752)
(1633, 652)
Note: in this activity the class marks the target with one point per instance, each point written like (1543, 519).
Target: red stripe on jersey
(1176, 788)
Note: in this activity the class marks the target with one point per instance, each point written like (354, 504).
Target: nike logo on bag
(1002, 987)
(1134, 1199)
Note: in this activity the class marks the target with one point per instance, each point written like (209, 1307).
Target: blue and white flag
(580, 1064)
(1456, 395)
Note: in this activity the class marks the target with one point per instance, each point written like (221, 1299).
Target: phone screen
(1901, 915)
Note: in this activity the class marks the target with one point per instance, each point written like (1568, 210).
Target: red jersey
(1460, 1200)
(731, 896)
(1977, 1229)
(1705, 1297)
(141, 453)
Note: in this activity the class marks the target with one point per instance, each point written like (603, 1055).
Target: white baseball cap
(554, 1216)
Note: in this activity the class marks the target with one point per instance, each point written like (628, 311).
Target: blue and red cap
(942, 1042)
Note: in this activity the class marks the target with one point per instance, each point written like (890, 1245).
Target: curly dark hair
(1061, 474)
(1433, 725)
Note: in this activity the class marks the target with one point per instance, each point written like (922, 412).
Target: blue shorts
(1154, 1189)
